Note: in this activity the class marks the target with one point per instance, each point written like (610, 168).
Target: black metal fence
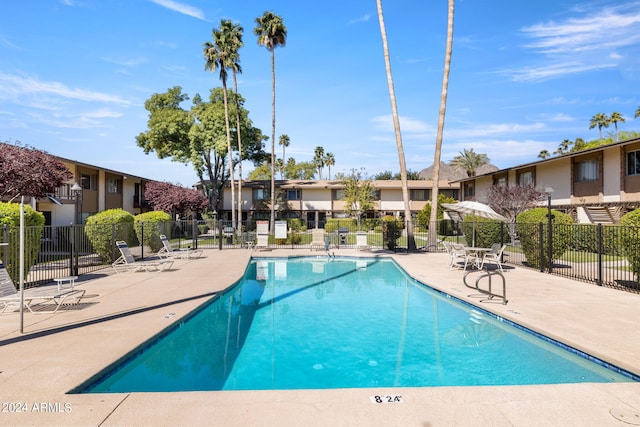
(600, 254)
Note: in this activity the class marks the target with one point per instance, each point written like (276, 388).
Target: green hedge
(333, 224)
(631, 239)
(391, 231)
(149, 226)
(103, 228)
(34, 223)
(487, 231)
(528, 228)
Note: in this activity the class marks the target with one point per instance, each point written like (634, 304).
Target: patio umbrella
(476, 209)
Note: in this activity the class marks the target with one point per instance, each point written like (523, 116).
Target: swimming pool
(317, 323)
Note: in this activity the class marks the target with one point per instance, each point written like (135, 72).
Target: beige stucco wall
(611, 176)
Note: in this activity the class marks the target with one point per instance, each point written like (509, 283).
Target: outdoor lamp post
(549, 191)
(76, 192)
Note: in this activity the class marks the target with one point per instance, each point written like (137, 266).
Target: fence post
(194, 233)
(600, 248)
(113, 241)
(541, 235)
(142, 240)
(219, 225)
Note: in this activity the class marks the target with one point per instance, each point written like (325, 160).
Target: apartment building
(598, 185)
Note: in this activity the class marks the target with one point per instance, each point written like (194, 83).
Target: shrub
(34, 223)
(527, 225)
(487, 231)
(149, 226)
(391, 231)
(333, 224)
(585, 239)
(631, 239)
(105, 227)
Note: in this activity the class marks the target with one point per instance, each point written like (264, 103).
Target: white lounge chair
(168, 251)
(127, 263)
(317, 240)
(10, 297)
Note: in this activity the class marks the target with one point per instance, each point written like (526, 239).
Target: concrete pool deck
(60, 351)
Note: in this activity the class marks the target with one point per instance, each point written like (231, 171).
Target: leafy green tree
(359, 194)
(600, 120)
(469, 161)
(198, 136)
(411, 243)
(271, 33)
(301, 170)
(383, 176)
(616, 118)
(424, 215)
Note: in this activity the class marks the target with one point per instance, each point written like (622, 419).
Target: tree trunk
(433, 232)
(411, 244)
(230, 153)
(238, 131)
(273, 139)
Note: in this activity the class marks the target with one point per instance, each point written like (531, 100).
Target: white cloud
(407, 124)
(185, 9)
(545, 72)
(363, 18)
(12, 86)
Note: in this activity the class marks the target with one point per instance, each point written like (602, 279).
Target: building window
(469, 190)
(500, 179)
(87, 181)
(525, 179)
(260, 194)
(587, 170)
(293, 195)
(633, 163)
(420, 195)
(338, 194)
(113, 186)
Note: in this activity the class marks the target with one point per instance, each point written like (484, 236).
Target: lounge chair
(494, 256)
(127, 263)
(317, 240)
(10, 297)
(168, 251)
(459, 252)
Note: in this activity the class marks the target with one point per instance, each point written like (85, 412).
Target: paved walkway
(60, 351)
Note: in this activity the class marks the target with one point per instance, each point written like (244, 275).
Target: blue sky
(74, 76)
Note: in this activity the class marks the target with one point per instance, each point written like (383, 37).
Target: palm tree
(319, 160)
(600, 120)
(231, 37)
(411, 244)
(616, 118)
(271, 33)
(218, 56)
(469, 161)
(284, 141)
(544, 154)
(637, 114)
(443, 107)
(329, 160)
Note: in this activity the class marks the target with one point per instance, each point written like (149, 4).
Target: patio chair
(127, 263)
(9, 296)
(317, 240)
(494, 256)
(168, 251)
(458, 251)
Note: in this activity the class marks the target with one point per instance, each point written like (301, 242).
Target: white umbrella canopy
(474, 208)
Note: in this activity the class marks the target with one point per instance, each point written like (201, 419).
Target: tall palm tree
(411, 243)
(637, 114)
(469, 161)
(329, 160)
(284, 141)
(319, 160)
(544, 154)
(218, 56)
(616, 118)
(232, 35)
(600, 120)
(271, 33)
(443, 108)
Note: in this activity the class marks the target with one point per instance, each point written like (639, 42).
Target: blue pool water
(312, 323)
